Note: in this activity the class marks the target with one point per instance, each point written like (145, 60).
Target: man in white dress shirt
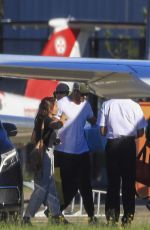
(121, 121)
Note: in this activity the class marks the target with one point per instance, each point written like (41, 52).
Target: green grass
(74, 226)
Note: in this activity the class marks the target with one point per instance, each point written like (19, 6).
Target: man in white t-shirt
(121, 121)
(72, 155)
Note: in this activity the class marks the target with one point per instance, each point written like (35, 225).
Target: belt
(126, 137)
(123, 138)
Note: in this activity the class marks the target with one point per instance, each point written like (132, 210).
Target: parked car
(11, 181)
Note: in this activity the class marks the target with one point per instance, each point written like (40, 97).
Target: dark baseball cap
(82, 87)
(62, 88)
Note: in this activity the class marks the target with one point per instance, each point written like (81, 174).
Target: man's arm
(140, 132)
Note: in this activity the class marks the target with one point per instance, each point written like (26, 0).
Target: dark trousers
(75, 175)
(120, 165)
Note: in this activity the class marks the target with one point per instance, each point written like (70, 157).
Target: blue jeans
(45, 190)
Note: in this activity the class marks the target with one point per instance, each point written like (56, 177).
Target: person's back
(122, 117)
(72, 133)
(72, 155)
(121, 121)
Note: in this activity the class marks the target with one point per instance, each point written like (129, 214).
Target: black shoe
(26, 221)
(112, 216)
(92, 220)
(148, 205)
(58, 220)
(47, 212)
(112, 223)
(125, 225)
(127, 220)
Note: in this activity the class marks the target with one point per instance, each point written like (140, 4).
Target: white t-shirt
(72, 133)
(122, 117)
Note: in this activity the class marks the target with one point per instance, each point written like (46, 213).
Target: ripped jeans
(45, 189)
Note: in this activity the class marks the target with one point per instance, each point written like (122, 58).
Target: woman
(45, 190)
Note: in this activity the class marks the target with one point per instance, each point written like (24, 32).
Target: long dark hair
(46, 104)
